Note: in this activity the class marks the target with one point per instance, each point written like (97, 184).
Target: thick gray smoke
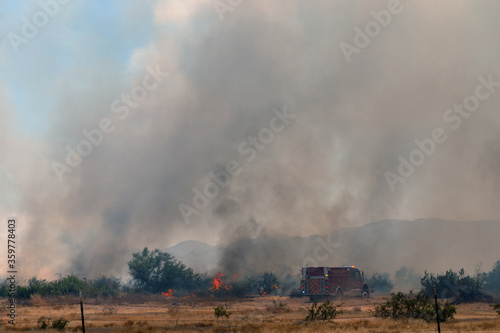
(324, 169)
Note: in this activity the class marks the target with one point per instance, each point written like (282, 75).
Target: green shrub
(43, 323)
(104, 286)
(23, 292)
(419, 306)
(324, 312)
(221, 311)
(59, 323)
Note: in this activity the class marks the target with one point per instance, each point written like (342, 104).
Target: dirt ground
(258, 314)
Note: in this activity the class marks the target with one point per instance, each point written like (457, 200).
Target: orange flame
(217, 281)
(219, 284)
(168, 294)
(275, 286)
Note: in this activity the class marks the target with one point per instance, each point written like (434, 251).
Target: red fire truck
(327, 282)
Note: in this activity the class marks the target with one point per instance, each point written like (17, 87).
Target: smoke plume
(325, 169)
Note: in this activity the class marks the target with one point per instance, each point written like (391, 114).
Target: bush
(221, 311)
(243, 287)
(496, 307)
(381, 283)
(267, 284)
(419, 306)
(60, 323)
(104, 286)
(109, 309)
(23, 292)
(457, 286)
(44, 322)
(71, 285)
(325, 312)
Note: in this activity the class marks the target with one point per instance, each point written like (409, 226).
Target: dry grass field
(260, 314)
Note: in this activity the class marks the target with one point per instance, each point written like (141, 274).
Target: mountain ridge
(383, 246)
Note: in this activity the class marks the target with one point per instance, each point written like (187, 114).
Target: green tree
(157, 271)
(457, 286)
(104, 286)
(492, 279)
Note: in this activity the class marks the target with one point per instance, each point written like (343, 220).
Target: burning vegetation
(219, 284)
(168, 293)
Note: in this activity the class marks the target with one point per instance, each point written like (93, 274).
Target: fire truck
(333, 282)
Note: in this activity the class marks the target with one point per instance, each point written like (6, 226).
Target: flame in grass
(168, 294)
(219, 284)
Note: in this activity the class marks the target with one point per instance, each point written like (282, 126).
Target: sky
(133, 123)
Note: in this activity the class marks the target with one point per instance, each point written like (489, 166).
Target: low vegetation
(45, 322)
(252, 314)
(159, 272)
(458, 287)
(324, 312)
(496, 307)
(415, 306)
(67, 285)
(221, 311)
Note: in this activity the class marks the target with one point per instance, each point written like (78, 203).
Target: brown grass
(259, 314)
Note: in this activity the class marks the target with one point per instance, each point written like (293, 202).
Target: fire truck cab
(333, 282)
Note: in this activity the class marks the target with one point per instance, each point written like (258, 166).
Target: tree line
(155, 271)
(151, 271)
(455, 285)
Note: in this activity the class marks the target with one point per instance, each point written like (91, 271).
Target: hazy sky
(117, 116)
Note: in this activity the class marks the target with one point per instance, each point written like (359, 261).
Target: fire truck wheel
(365, 293)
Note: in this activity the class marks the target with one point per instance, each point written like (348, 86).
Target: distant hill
(385, 246)
(198, 255)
